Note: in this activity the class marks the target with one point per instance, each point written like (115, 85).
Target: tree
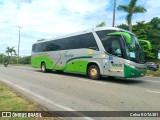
(155, 22)
(8, 51)
(12, 51)
(25, 60)
(123, 26)
(147, 31)
(102, 24)
(1, 57)
(142, 29)
(131, 9)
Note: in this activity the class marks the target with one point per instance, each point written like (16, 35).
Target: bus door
(115, 58)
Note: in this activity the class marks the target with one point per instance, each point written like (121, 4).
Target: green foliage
(102, 24)
(123, 26)
(2, 57)
(148, 53)
(25, 60)
(131, 9)
(148, 31)
(155, 22)
(141, 29)
(22, 60)
(10, 52)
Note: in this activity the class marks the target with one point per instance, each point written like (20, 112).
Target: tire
(43, 67)
(155, 69)
(5, 65)
(94, 72)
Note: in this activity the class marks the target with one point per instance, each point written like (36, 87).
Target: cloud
(45, 19)
(52, 18)
(152, 7)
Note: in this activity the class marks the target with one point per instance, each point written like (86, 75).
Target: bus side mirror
(127, 36)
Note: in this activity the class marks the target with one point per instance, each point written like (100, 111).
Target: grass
(154, 73)
(11, 101)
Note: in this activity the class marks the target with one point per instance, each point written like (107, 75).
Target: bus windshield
(134, 51)
(112, 44)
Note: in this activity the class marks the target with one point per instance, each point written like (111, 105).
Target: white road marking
(43, 98)
(152, 91)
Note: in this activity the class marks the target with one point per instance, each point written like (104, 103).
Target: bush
(25, 60)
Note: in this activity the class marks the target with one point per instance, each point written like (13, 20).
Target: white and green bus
(96, 52)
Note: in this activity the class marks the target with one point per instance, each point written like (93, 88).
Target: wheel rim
(93, 72)
(43, 67)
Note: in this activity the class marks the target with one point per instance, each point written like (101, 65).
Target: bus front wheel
(43, 67)
(94, 72)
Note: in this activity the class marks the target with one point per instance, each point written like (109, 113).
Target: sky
(52, 18)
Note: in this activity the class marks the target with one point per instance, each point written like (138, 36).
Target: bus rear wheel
(94, 72)
(43, 67)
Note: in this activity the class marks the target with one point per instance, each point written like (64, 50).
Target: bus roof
(111, 28)
(83, 32)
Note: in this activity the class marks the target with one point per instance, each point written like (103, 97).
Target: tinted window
(81, 41)
(106, 44)
(41, 47)
(112, 45)
(75, 42)
(54, 45)
(51, 46)
(60, 44)
(102, 34)
(88, 41)
(35, 48)
(71, 42)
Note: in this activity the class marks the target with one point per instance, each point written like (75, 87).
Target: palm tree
(8, 51)
(131, 9)
(12, 50)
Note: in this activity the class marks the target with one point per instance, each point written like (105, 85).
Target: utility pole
(19, 38)
(114, 11)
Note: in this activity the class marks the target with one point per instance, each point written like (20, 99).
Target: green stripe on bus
(36, 61)
(78, 58)
(77, 66)
(131, 72)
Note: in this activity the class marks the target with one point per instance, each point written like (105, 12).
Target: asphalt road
(73, 92)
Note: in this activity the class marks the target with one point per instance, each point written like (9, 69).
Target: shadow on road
(103, 79)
